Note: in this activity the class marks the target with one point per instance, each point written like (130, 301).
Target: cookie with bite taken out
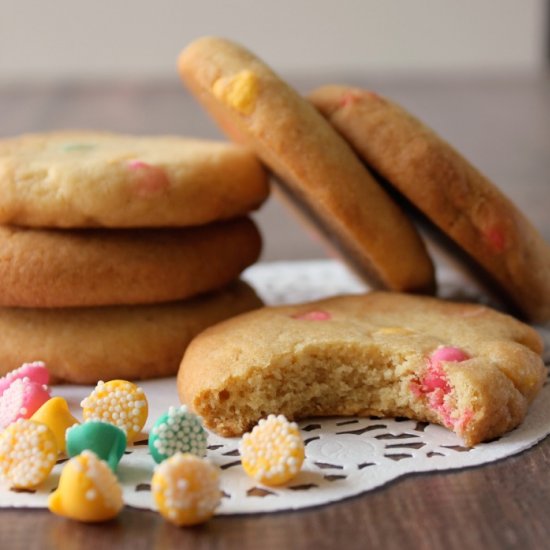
(464, 366)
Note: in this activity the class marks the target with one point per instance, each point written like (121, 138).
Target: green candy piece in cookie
(106, 440)
(177, 430)
(69, 147)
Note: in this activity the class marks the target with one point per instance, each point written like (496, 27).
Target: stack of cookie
(117, 250)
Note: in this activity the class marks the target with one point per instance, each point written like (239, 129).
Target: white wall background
(125, 38)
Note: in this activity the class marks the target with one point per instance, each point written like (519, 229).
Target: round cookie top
(317, 169)
(87, 179)
(458, 199)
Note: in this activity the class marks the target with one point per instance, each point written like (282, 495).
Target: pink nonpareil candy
(35, 372)
(21, 399)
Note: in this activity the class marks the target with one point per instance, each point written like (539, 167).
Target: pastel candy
(56, 415)
(150, 180)
(273, 453)
(448, 353)
(119, 402)
(28, 453)
(35, 372)
(239, 91)
(434, 386)
(106, 440)
(315, 315)
(178, 430)
(186, 489)
(21, 399)
(88, 490)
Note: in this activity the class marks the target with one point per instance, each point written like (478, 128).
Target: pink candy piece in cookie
(448, 353)
(434, 385)
(149, 179)
(21, 400)
(35, 372)
(435, 378)
(496, 239)
(317, 315)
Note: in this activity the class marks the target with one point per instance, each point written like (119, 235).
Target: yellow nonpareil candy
(118, 402)
(56, 415)
(28, 453)
(273, 453)
(239, 91)
(186, 489)
(88, 490)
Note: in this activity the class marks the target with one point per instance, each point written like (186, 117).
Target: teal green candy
(106, 440)
(178, 430)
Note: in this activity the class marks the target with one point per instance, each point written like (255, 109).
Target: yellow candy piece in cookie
(88, 490)
(119, 402)
(28, 453)
(393, 330)
(238, 91)
(186, 489)
(56, 415)
(273, 453)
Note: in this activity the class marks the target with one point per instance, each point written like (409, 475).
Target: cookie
(89, 179)
(457, 198)
(84, 345)
(91, 267)
(463, 366)
(315, 166)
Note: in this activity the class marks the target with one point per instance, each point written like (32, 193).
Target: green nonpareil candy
(178, 430)
(106, 440)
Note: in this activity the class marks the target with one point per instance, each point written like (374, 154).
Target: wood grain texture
(503, 126)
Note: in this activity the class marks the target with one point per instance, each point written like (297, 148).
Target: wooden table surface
(502, 124)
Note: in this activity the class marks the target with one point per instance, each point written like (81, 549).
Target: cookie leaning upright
(316, 167)
(94, 179)
(455, 196)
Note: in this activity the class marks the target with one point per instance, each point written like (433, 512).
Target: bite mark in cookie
(435, 388)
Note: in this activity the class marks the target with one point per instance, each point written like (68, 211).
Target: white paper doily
(344, 456)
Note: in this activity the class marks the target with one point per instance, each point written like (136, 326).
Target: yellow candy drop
(239, 91)
(186, 489)
(273, 453)
(119, 402)
(56, 415)
(28, 453)
(88, 490)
